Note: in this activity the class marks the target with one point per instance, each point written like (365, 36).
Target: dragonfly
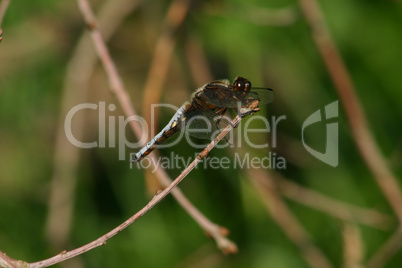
(206, 108)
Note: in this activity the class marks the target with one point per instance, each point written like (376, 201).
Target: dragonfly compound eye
(239, 85)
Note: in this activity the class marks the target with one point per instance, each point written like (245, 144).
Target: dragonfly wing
(205, 124)
(221, 96)
(264, 95)
(218, 94)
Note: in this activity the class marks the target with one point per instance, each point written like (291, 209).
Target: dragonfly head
(241, 85)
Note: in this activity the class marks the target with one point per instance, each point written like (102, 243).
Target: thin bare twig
(355, 114)
(102, 240)
(7, 262)
(3, 8)
(117, 88)
(155, 200)
(115, 82)
(66, 158)
(215, 231)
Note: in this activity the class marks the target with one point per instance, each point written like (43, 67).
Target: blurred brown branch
(276, 193)
(353, 249)
(117, 87)
(333, 207)
(290, 189)
(357, 122)
(163, 52)
(355, 114)
(66, 159)
(342, 210)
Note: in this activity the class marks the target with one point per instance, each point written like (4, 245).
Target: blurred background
(55, 196)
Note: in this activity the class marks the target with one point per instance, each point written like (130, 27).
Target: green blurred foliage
(39, 39)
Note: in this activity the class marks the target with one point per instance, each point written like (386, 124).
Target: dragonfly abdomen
(169, 130)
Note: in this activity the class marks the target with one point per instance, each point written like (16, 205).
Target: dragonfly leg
(221, 113)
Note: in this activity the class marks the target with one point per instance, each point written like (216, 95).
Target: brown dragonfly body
(208, 104)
